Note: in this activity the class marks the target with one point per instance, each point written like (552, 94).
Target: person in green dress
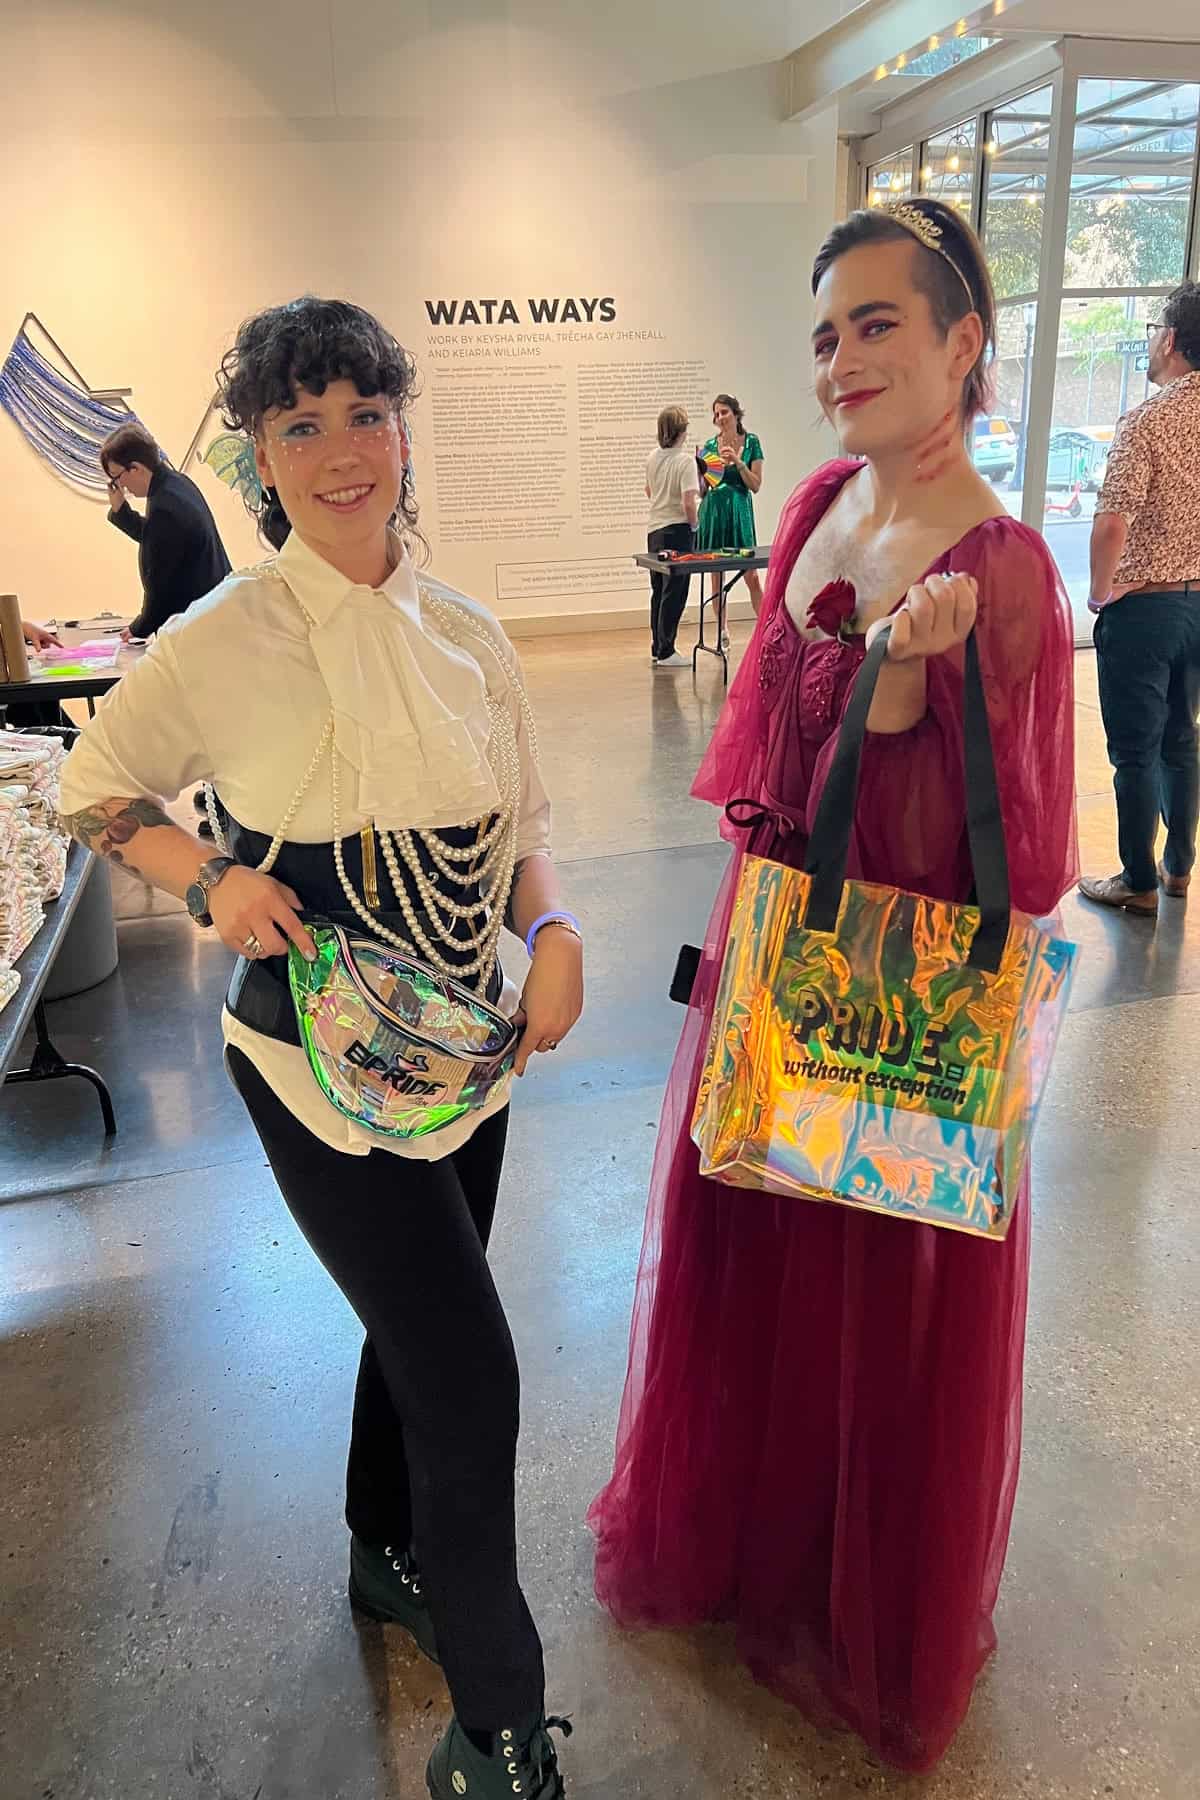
(731, 469)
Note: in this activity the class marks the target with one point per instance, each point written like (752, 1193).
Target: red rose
(833, 608)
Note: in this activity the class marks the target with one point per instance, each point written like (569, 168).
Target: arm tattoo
(106, 828)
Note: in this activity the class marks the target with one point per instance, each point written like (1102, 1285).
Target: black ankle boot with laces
(521, 1765)
(386, 1585)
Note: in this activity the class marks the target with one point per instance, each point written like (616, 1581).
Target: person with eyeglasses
(1145, 589)
(180, 554)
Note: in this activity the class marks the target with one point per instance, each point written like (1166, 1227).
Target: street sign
(1131, 346)
(1142, 363)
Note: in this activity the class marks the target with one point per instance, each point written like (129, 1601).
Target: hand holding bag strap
(829, 845)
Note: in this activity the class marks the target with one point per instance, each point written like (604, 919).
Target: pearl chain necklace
(488, 864)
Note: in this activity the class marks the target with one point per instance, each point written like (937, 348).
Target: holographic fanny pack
(875, 1048)
(393, 1044)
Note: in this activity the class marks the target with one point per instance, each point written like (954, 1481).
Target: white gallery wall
(166, 171)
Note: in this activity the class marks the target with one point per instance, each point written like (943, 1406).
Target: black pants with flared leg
(436, 1412)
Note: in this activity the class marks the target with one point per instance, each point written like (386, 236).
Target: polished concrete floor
(177, 1370)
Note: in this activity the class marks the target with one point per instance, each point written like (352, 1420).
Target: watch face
(197, 902)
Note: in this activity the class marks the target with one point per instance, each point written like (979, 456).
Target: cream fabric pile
(33, 846)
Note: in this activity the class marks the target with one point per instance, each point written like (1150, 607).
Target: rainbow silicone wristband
(552, 918)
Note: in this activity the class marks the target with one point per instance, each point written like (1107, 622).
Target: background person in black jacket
(180, 553)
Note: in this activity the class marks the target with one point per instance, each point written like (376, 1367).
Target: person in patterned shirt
(1146, 591)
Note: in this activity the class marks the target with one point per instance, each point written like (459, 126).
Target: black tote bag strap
(829, 845)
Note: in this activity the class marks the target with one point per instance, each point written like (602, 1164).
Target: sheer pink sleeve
(911, 818)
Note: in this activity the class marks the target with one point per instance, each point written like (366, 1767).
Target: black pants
(668, 591)
(436, 1412)
(1148, 658)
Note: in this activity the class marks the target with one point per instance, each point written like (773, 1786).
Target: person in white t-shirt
(673, 490)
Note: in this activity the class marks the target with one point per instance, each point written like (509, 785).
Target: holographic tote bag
(874, 1048)
(394, 1045)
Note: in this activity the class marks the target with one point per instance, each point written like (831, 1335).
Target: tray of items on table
(69, 663)
(33, 845)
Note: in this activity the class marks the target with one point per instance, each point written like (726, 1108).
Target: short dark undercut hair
(954, 279)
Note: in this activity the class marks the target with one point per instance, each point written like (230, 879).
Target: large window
(1118, 153)
(890, 180)
(1016, 149)
(948, 167)
(1016, 165)
(1132, 168)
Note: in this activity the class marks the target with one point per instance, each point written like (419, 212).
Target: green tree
(1096, 332)
(1138, 244)
(1135, 242)
(1013, 230)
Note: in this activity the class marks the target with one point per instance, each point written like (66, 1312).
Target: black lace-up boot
(521, 1765)
(386, 1585)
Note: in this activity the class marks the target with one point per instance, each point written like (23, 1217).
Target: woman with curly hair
(371, 760)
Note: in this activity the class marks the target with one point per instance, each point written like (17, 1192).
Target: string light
(935, 42)
(960, 30)
(991, 146)
(954, 163)
(1031, 199)
(898, 184)
(881, 73)
(927, 173)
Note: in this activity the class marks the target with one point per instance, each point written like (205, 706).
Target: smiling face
(883, 372)
(336, 460)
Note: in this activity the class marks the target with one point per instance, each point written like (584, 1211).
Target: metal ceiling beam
(1149, 92)
(1141, 137)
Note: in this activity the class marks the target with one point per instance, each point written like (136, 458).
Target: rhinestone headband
(928, 232)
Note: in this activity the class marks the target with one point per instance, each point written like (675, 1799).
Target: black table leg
(48, 1065)
(720, 602)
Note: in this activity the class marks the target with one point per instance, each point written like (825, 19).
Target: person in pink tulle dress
(820, 1433)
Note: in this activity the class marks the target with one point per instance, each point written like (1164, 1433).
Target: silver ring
(252, 946)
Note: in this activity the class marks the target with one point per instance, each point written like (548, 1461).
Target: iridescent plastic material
(394, 1045)
(873, 1067)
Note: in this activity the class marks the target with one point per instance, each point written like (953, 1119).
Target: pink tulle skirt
(819, 1438)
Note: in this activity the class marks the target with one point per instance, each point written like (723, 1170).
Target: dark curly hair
(307, 344)
(955, 279)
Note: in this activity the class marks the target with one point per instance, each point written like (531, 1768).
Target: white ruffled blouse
(237, 691)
